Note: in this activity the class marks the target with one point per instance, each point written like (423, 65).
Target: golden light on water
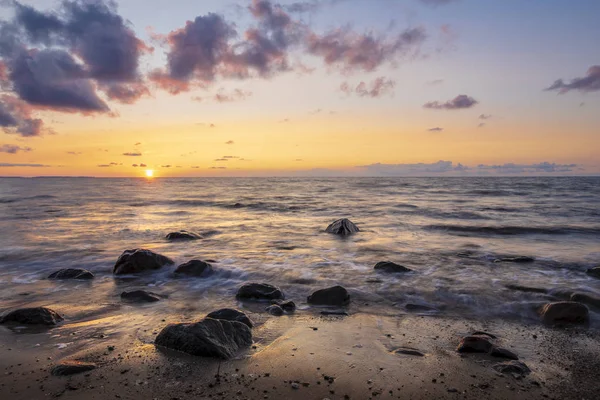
(149, 173)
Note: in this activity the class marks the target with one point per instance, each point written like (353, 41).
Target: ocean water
(449, 231)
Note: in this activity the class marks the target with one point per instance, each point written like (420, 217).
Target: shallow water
(448, 230)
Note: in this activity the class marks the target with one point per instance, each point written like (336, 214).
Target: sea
(456, 235)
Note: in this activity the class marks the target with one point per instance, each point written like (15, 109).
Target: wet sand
(300, 356)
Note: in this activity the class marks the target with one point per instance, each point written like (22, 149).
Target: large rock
(32, 316)
(194, 268)
(66, 368)
(516, 259)
(333, 296)
(564, 312)
(501, 352)
(230, 314)
(209, 338)
(259, 291)
(512, 367)
(139, 260)
(388, 266)
(342, 227)
(140, 296)
(474, 344)
(595, 272)
(586, 299)
(183, 235)
(71, 273)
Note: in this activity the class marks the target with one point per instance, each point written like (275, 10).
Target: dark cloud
(133, 154)
(459, 102)
(8, 165)
(589, 83)
(436, 129)
(126, 93)
(377, 88)
(13, 149)
(230, 142)
(484, 116)
(543, 167)
(39, 27)
(351, 51)
(15, 118)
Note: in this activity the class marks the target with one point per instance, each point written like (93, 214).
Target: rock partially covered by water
(564, 313)
(275, 310)
(194, 268)
(516, 259)
(595, 272)
(333, 296)
(388, 266)
(287, 306)
(139, 260)
(71, 273)
(586, 299)
(259, 291)
(512, 367)
(230, 314)
(208, 338)
(32, 316)
(140, 296)
(66, 368)
(474, 344)
(183, 235)
(342, 227)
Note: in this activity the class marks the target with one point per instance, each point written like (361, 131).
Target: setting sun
(149, 173)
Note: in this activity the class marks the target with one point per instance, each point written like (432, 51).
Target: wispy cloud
(133, 154)
(11, 165)
(459, 102)
(436, 129)
(377, 88)
(588, 83)
(13, 149)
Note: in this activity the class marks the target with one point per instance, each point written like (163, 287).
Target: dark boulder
(388, 266)
(586, 299)
(342, 227)
(517, 259)
(474, 344)
(230, 314)
(66, 368)
(333, 296)
(501, 352)
(139, 260)
(512, 367)
(259, 291)
(71, 273)
(32, 316)
(208, 338)
(564, 313)
(140, 296)
(595, 272)
(183, 235)
(287, 306)
(528, 289)
(275, 310)
(194, 268)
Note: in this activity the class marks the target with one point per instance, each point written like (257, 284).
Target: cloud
(10, 165)
(459, 102)
(133, 154)
(230, 142)
(411, 169)
(235, 95)
(484, 116)
(589, 83)
(221, 159)
(436, 3)
(218, 167)
(481, 124)
(74, 153)
(376, 88)
(230, 157)
(543, 167)
(166, 166)
(137, 143)
(15, 118)
(436, 129)
(143, 165)
(350, 51)
(13, 149)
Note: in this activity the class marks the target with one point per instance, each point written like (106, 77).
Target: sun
(149, 173)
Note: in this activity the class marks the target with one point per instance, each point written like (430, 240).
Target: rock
(474, 344)
(259, 291)
(71, 273)
(503, 353)
(586, 299)
(66, 368)
(140, 296)
(194, 268)
(418, 307)
(139, 260)
(528, 289)
(409, 351)
(564, 312)
(517, 259)
(337, 313)
(483, 333)
(388, 266)
(275, 310)
(333, 296)
(183, 235)
(595, 272)
(32, 316)
(512, 367)
(208, 338)
(288, 306)
(230, 314)
(342, 227)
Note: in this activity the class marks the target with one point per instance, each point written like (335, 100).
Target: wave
(515, 230)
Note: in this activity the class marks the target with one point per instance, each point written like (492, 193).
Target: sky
(299, 88)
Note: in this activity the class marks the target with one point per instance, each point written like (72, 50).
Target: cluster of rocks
(483, 342)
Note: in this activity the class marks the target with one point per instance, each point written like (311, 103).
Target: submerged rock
(528, 289)
(194, 268)
(32, 316)
(517, 259)
(419, 307)
(139, 260)
(259, 291)
(230, 314)
(333, 296)
(388, 266)
(275, 310)
(66, 368)
(288, 306)
(342, 227)
(595, 272)
(512, 367)
(564, 312)
(71, 273)
(140, 296)
(183, 235)
(208, 338)
(586, 299)
(474, 344)
(503, 353)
